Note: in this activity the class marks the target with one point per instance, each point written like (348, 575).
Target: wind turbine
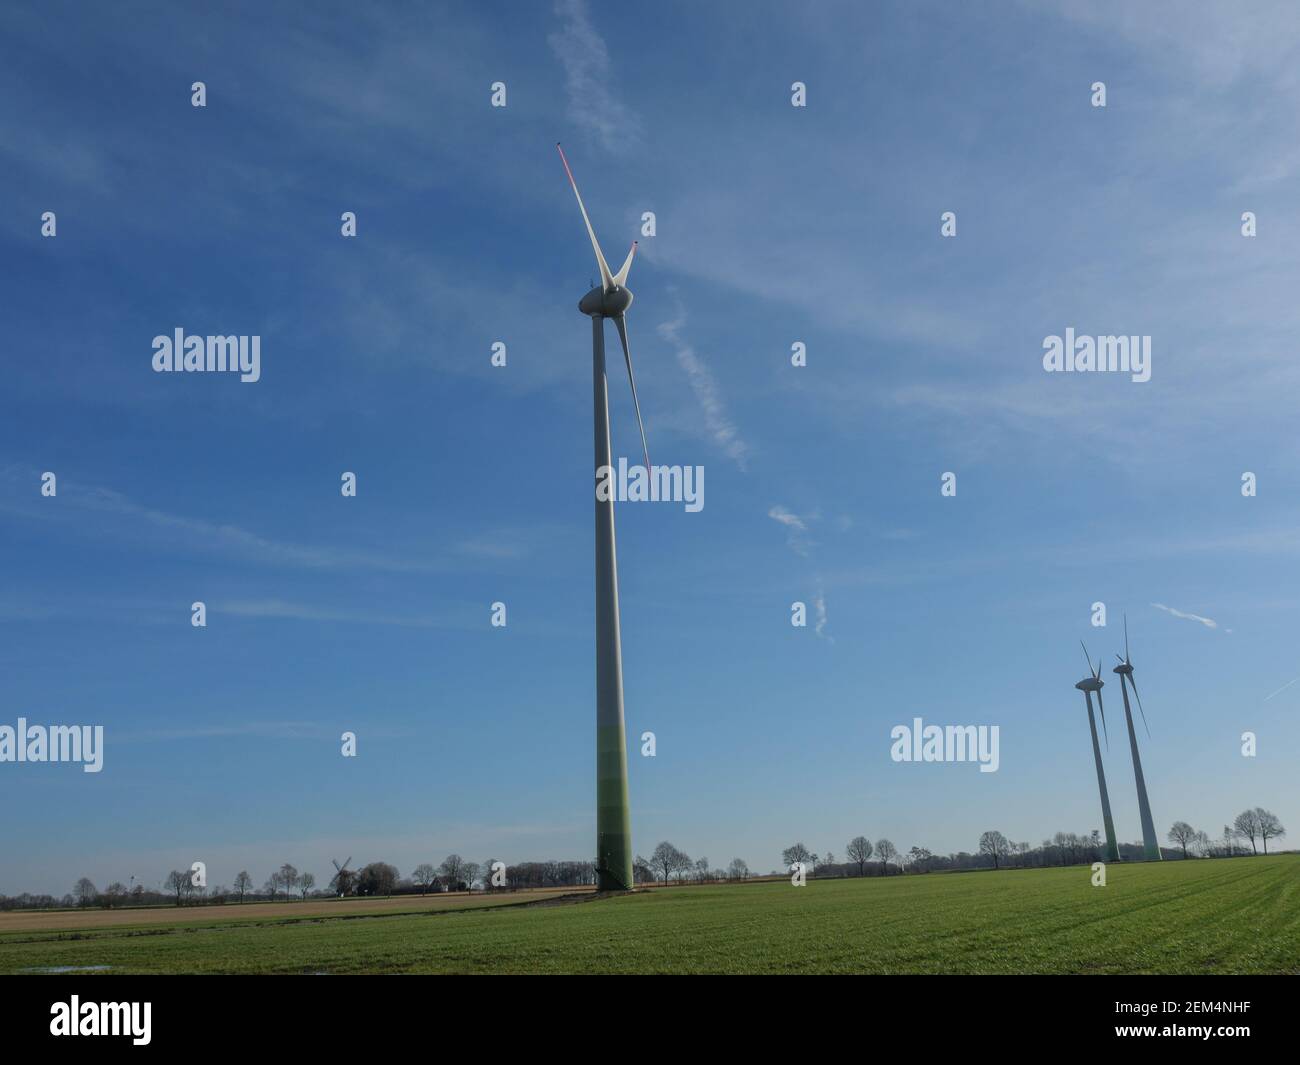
(1089, 684)
(1150, 844)
(609, 299)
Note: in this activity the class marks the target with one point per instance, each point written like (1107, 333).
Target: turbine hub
(606, 304)
(1090, 684)
(1124, 668)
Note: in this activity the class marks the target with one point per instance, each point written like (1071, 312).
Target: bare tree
(663, 859)
(85, 891)
(738, 870)
(1247, 826)
(994, 845)
(243, 884)
(859, 851)
(1182, 833)
(884, 851)
(1202, 843)
(701, 869)
(176, 882)
(1269, 826)
(377, 878)
(306, 882)
(425, 875)
(920, 857)
(288, 878)
(469, 873)
(451, 870)
(1061, 842)
(796, 854)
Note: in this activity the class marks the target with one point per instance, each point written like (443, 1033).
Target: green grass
(1238, 916)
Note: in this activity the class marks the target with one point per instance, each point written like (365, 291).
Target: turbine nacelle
(1093, 683)
(610, 299)
(1125, 668)
(607, 303)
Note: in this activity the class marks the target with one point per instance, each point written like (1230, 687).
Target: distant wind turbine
(610, 299)
(1150, 844)
(1093, 683)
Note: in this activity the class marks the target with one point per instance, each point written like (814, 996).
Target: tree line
(994, 850)
(376, 879)
(1255, 827)
(666, 864)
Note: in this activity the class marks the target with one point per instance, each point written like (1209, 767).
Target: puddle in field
(67, 969)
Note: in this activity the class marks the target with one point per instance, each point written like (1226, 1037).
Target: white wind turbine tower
(610, 299)
(1089, 684)
(1150, 844)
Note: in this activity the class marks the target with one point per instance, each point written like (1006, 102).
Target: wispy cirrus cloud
(279, 608)
(116, 513)
(717, 422)
(819, 605)
(1209, 623)
(796, 527)
(593, 105)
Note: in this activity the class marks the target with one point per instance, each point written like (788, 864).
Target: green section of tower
(613, 812)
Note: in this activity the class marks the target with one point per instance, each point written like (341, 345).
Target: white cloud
(278, 608)
(117, 513)
(785, 517)
(1209, 623)
(593, 105)
(1281, 689)
(819, 605)
(716, 420)
(796, 527)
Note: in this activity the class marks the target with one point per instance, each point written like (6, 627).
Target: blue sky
(774, 225)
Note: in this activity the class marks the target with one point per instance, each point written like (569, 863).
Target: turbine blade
(1088, 657)
(1134, 682)
(606, 280)
(1126, 658)
(621, 323)
(620, 278)
(1102, 707)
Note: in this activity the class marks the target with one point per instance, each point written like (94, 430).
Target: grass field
(1238, 916)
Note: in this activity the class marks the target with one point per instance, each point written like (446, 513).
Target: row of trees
(667, 864)
(1255, 826)
(454, 873)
